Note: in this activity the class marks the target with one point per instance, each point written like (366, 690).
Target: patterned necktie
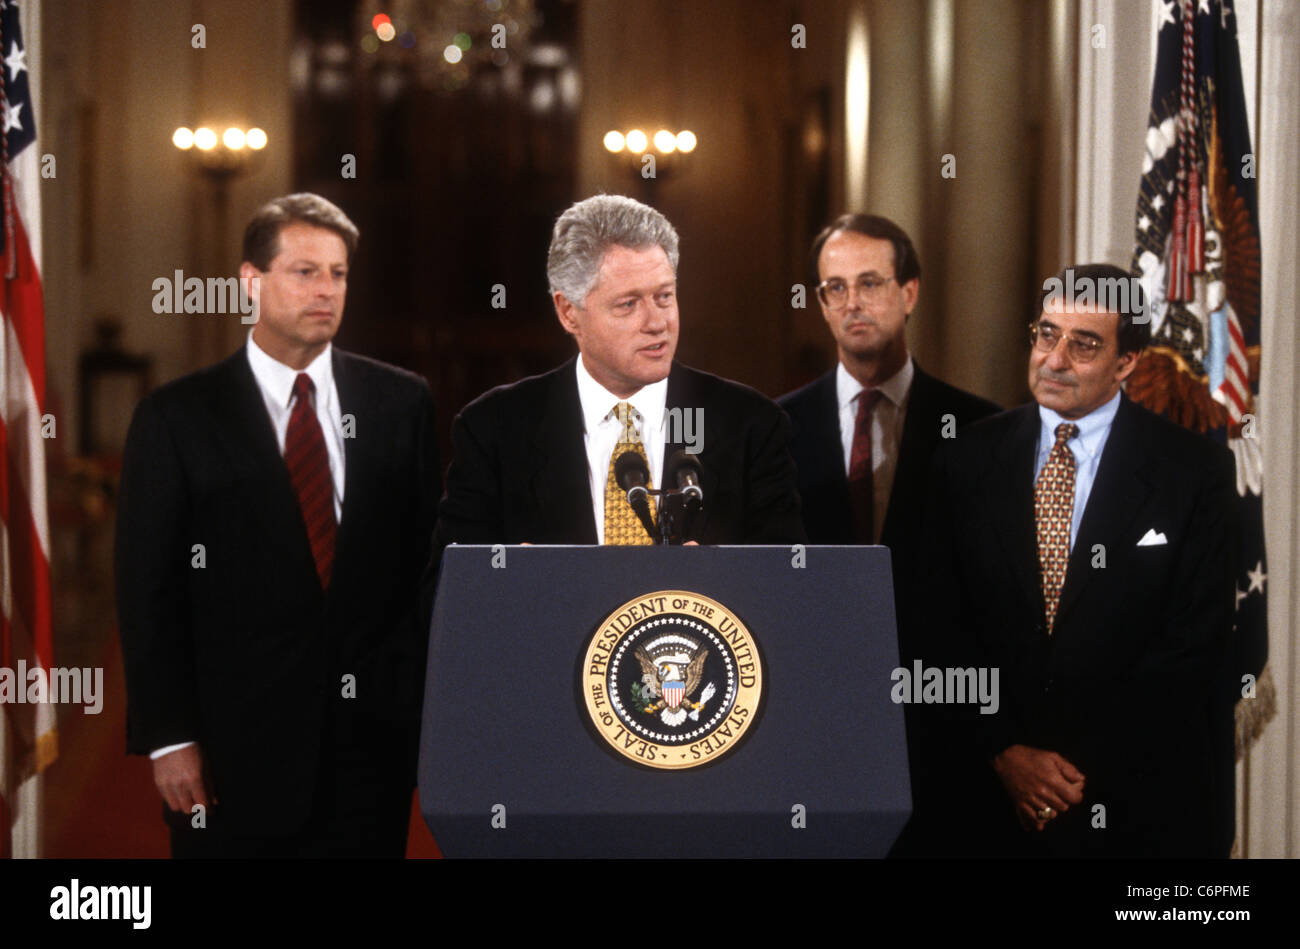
(862, 491)
(622, 526)
(1053, 512)
(309, 473)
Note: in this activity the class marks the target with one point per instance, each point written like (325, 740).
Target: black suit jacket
(1124, 686)
(819, 455)
(245, 654)
(519, 470)
(818, 451)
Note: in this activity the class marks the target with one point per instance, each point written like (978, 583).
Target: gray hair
(588, 229)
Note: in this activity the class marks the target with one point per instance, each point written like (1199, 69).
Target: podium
(514, 763)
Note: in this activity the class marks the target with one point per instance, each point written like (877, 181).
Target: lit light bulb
(183, 138)
(614, 141)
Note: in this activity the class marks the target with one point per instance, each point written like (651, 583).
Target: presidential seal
(672, 679)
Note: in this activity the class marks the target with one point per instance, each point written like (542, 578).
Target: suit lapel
(1010, 485)
(914, 452)
(825, 435)
(249, 434)
(358, 461)
(253, 448)
(683, 395)
(1122, 485)
(556, 465)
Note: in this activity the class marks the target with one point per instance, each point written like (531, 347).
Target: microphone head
(630, 470)
(682, 469)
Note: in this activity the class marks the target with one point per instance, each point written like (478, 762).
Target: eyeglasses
(1044, 337)
(870, 289)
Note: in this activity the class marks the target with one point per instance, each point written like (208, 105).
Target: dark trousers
(361, 807)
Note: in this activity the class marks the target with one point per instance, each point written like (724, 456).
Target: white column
(1272, 791)
(1114, 91)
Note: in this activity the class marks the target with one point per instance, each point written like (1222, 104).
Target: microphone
(685, 470)
(632, 475)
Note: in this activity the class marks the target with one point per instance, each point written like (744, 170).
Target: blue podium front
(662, 702)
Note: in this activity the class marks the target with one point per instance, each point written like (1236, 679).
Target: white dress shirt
(1086, 446)
(275, 381)
(601, 431)
(886, 431)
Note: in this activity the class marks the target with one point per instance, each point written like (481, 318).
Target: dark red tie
(309, 473)
(861, 480)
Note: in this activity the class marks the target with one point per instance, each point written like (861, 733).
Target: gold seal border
(724, 736)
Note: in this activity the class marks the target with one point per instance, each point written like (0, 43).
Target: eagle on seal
(669, 682)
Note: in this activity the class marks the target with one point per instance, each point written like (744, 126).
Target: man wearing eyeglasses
(864, 433)
(1081, 545)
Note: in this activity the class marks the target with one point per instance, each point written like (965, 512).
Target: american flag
(1197, 250)
(28, 739)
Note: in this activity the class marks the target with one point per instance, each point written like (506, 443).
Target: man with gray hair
(534, 461)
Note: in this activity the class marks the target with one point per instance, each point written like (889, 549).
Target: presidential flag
(28, 740)
(1198, 254)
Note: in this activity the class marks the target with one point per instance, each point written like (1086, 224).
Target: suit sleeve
(1174, 682)
(772, 514)
(944, 626)
(428, 489)
(471, 511)
(152, 558)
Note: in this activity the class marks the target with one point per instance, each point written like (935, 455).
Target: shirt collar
(276, 379)
(895, 388)
(649, 401)
(1092, 427)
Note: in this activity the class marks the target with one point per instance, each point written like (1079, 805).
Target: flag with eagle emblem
(1198, 255)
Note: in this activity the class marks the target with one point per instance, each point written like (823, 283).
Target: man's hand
(1037, 779)
(181, 778)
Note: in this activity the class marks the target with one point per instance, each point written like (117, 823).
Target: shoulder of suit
(978, 440)
(719, 393)
(529, 395)
(967, 406)
(198, 387)
(380, 379)
(1178, 444)
(806, 397)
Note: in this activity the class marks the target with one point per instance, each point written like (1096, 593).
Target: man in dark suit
(533, 461)
(275, 515)
(865, 432)
(877, 407)
(1081, 545)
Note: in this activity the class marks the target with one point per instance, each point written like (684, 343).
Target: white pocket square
(1152, 539)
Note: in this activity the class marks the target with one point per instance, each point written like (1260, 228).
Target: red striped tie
(309, 473)
(862, 494)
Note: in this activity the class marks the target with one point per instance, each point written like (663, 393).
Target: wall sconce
(218, 161)
(232, 153)
(636, 144)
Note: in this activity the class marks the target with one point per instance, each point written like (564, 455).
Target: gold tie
(622, 526)
(1054, 511)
